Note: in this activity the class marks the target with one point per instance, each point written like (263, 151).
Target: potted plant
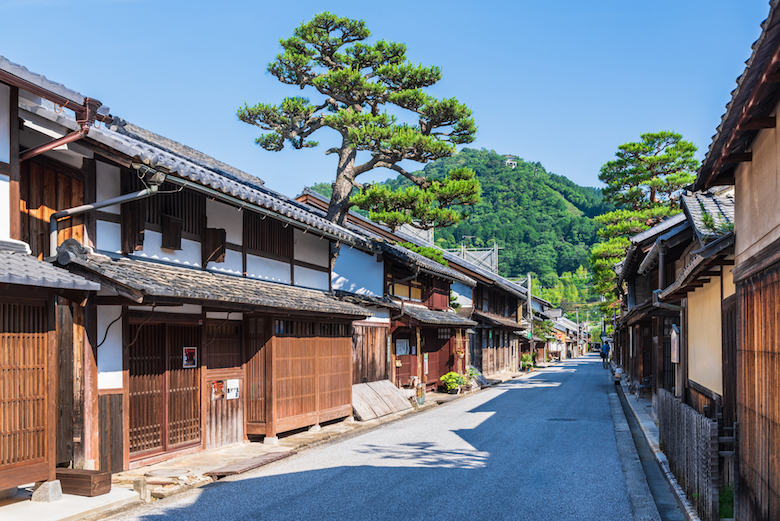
(526, 362)
(453, 381)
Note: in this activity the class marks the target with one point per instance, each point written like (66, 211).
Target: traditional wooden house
(214, 321)
(642, 325)
(38, 345)
(496, 304)
(744, 153)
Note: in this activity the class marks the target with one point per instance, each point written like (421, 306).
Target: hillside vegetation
(544, 222)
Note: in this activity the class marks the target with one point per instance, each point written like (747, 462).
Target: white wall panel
(227, 217)
(108, 185)
(233, 263)
(188, 255)
(308, 278)
(312, 249)
(358, 272)
(109, 356)
(109, 236)
(267, 269)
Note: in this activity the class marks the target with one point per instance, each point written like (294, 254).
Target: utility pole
(579, 328)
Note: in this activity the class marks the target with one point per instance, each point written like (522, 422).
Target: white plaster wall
(5, 124)
(756, 205)
(108, 186)
(310, 248)
(267, 269)
(109, 356)
(728, 282)
(358, 272)
(705, 353)
(188, 255)
(220, 215)
(463, 294)
(186, 309)
(109, 236)
(308, 278)
(5, 207)
(233, 263)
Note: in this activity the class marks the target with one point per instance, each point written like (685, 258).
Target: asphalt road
(536, 448)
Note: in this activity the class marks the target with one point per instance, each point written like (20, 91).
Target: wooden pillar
(51, 383)
(86, 435)
(126, 390)
(270, 405)
(419, 355)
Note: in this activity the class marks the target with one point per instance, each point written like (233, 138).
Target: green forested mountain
(543, 221)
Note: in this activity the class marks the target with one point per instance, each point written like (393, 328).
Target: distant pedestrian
(605, 355)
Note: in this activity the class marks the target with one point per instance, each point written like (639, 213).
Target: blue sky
(563, 83)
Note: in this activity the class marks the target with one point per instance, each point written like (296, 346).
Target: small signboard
(675, 344)
(231, 392)
(217, 389)
(190, 359)
(554, 313)
(389, 350)
(425, 363)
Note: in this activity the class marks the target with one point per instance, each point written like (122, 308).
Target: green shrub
(453, 380)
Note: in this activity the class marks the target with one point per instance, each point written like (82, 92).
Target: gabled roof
(191, 165)
(494, 320)
(40, 81)
(754, 98)
(412, 259)
(645, 239)
(507, 285)
(144, 281)
(716, 202)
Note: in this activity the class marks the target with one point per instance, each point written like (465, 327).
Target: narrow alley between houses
(538, 447)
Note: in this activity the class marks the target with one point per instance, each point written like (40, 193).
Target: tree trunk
(342, 186)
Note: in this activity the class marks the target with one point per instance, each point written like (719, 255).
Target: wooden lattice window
(445, 333)
(186, 205)
(266, 236)
(331, 329)
(293, 328)
(408, 289)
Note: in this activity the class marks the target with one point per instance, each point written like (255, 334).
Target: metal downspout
(51, 145)
(147, 192)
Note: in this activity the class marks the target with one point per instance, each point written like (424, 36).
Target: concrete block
(47, 491)
(315, 428)
(271, 440)
(139, 485)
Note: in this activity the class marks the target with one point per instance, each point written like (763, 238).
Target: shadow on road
(540, 447)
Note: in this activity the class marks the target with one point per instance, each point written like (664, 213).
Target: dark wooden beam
(14, 171)
(759, 123)
(773, 78)
(710, 273)
(738, 157)
(726, 181)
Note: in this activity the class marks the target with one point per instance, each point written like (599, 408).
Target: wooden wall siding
(224, 345)
(295, 379)
(183, 387)
(312, 380)
(369, 354)
(438, 293)
(147, 375)
(690, 442)
(267, 236)
(186, 205)
(334, 371)
(225, 420)
(111, 434)
(254, 384)
(24, 420)
(440, 360)
(43, 191)
(758, 398)
(702, 402)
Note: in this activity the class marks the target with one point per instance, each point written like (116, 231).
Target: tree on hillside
(645, 182)
(357, 83)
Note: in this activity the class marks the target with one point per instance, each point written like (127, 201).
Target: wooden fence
(690, 442)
